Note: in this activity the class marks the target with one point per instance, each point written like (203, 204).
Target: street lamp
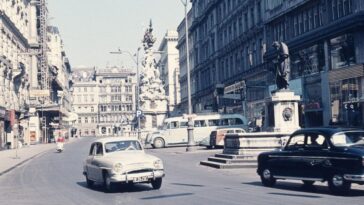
(136, 61)
(191, 141)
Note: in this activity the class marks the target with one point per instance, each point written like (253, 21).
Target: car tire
(308, 183)
(156, 183)
(267, 178)
(158, 143)
(338, 185)
(108, 185)
(89, 182)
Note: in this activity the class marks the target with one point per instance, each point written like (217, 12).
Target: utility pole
(191, 141)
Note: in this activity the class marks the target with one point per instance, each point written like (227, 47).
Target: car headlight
(158, 164)
(117, 167)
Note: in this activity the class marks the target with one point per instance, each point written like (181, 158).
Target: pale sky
(90, 29)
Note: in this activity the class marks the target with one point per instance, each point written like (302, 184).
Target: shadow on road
(317, 189)
(120, 188)
(193, 185)
(166, 196)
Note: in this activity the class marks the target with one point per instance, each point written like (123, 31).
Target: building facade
(228, 49)
(169, 70)
(104, 100)
(17, 26)
(181, 46)
(85, 94)
(327, 55)
(232, 48)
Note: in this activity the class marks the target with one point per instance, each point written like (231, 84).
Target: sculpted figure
(281, 65)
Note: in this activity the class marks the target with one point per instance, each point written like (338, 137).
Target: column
(325, 91)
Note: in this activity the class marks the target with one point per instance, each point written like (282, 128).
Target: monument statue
(281, 64)
(148, 39)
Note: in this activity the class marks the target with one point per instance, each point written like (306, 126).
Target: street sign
(138, 113)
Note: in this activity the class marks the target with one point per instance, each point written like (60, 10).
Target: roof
(326, 130)
(113, 139)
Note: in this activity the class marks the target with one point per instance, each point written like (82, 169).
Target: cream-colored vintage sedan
(115, 160)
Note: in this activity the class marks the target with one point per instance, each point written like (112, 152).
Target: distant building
(104, 100)
(181, 46)
(169, 70)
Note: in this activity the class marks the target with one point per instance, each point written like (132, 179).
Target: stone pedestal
(281, 112)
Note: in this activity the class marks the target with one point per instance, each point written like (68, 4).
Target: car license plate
(140, 179)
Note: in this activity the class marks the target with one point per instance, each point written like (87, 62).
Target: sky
(91, 29)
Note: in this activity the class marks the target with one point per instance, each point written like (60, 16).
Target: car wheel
(338, 185)
(89, 182)
(267, 178)
(157, 183)
(108, 185)
(308, 183)
(158, 143)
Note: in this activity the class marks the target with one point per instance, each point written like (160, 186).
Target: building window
(79, 120)
(86, 119)
(342, 51)
(92, 109)
(85, 89)
(345, 98)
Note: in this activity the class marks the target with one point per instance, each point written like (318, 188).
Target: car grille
(140, 171)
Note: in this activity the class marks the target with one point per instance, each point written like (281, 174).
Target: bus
(174, 130)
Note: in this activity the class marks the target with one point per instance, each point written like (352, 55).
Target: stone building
(85, 94)
(104, 100)
(17, 36)
(327, 55)
(181, 46)
(228, 48)
(232, 48)
(169, 70)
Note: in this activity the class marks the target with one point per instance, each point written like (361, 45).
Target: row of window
(87, 120)
(205, 123)
(108, 108)
(113, 89)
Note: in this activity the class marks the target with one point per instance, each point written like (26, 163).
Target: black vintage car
(335, 155)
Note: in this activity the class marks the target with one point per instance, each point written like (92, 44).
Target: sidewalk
(12, 158)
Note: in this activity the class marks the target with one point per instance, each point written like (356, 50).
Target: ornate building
(17, 25)
(104, 100)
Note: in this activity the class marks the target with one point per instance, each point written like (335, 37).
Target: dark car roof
(325, 130)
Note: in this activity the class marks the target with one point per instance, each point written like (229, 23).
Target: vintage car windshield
(122, 146)
(350, 138)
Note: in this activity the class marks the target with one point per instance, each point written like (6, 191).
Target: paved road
(55, 178)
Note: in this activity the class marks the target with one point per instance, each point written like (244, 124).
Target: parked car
(121, 160)
(335, 155)
(217, 137)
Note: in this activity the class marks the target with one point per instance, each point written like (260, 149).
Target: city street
(56, 178)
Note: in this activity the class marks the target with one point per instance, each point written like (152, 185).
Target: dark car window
(296, 142)
(316, 141)
(92, 149)
(99, 150)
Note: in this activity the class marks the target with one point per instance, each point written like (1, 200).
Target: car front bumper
(137, 177)
(354, 178)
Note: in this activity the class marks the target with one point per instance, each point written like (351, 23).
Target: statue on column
(148, 39)
(281, 64)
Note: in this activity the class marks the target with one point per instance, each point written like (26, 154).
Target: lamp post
(191, 141)
(136, 61)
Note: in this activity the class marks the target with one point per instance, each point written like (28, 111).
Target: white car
(121, 160)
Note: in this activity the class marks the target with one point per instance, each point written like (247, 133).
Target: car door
(96, 162)
(288, 162)
(316, 156)
(89, 159)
